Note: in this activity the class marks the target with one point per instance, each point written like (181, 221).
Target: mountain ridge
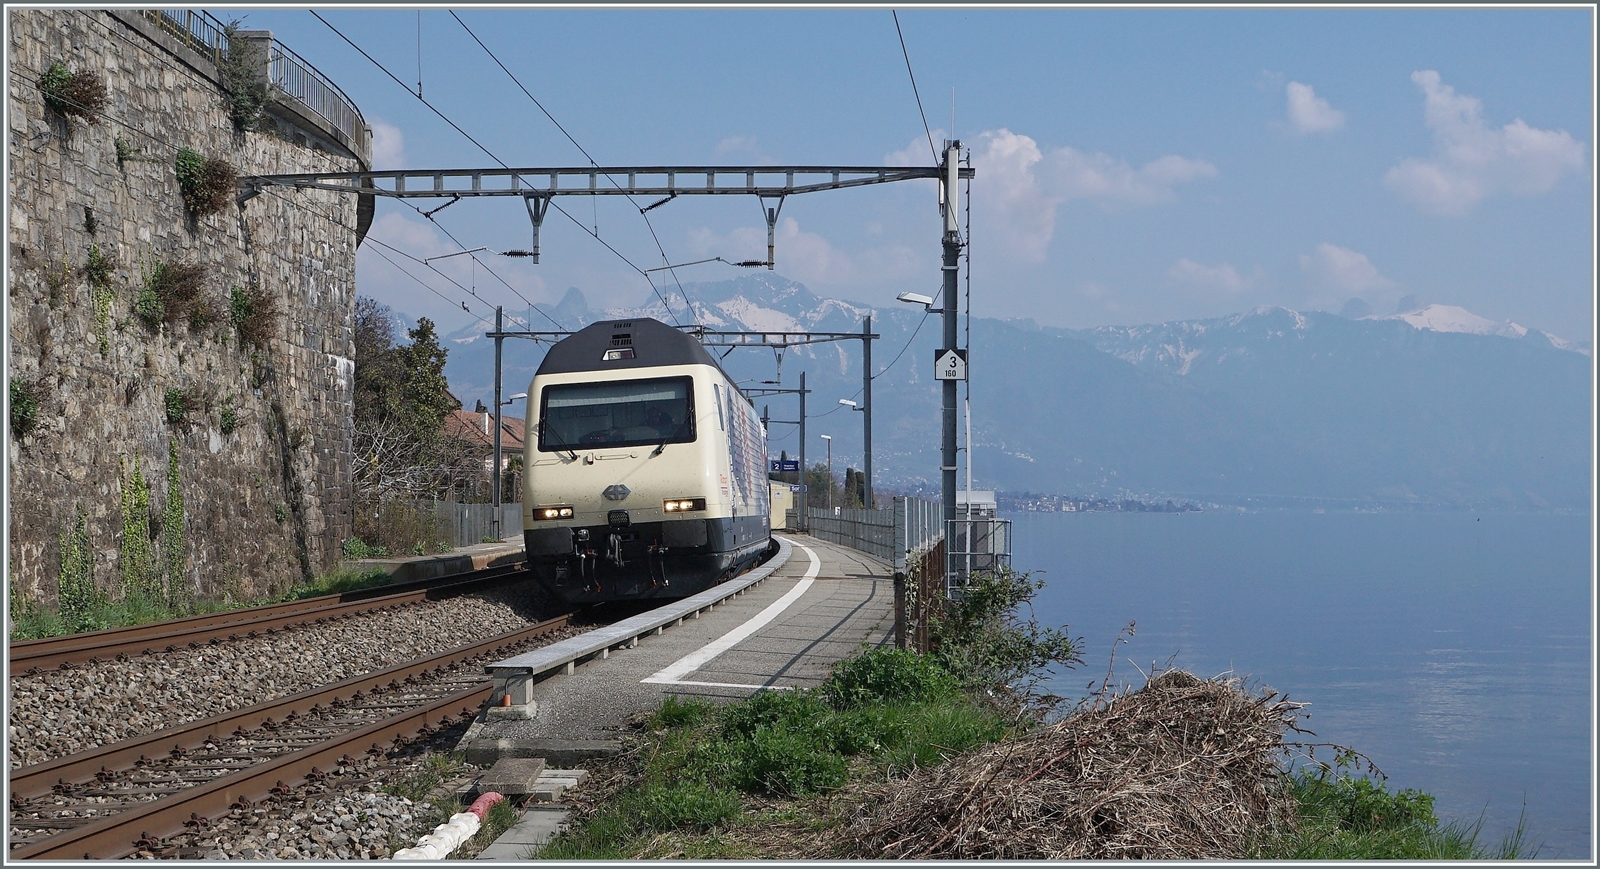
(1268, 402)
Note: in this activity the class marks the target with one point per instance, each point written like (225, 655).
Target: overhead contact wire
(592, 162)
(480, 146)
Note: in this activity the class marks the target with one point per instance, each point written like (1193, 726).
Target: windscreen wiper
(667, 437)
(545, 431)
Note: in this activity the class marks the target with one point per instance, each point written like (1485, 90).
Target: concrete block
(512, 776)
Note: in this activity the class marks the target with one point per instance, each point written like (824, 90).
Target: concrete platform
(475, 557)
(834, 600)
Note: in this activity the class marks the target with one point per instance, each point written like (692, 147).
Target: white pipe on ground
(449, 835)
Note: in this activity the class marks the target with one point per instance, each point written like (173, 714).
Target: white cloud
(1309, 113)
(1343, 270)
(1222, 277)
(1022, 186)
(1112, 182)
(388, 145)
(1472, 160)
(918, 153)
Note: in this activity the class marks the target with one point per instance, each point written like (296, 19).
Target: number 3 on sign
(950, 365)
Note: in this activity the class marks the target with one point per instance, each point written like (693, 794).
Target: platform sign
(783, 466)
(950, 365)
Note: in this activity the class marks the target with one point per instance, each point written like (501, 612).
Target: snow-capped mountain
(1449, 318)
(1435, 406)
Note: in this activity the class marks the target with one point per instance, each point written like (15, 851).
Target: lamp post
(866, 450)
(829, 439)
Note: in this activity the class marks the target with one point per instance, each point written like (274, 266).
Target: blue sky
(1134, 165)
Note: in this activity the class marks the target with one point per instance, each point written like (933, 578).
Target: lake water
(1454, 649)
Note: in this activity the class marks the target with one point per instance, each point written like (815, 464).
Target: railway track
(53, 652)
(132, 795)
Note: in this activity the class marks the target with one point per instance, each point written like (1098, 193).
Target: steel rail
(121, 834)
(52, 652)
(42, 778)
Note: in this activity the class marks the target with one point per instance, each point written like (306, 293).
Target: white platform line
(693, 661)
(725, 685)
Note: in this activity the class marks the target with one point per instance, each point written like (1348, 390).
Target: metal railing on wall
(195, 29)
(295, 78)
(288, 72)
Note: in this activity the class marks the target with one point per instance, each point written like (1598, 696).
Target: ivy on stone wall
(244, 78)
(77, 596)
(228, 422)
(138, 577)
(99, 269)
(172, 536)
(24, 407)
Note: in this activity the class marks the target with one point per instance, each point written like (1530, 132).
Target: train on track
(645, 467)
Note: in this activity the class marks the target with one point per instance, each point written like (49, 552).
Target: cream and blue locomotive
(645, 467)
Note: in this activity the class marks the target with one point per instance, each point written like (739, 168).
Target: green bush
(983, 638)
(886, 675)
(787, 762)
(790, 710)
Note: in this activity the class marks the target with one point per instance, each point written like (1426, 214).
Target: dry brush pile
(1182, 769)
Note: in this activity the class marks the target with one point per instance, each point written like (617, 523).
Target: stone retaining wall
(263, 505)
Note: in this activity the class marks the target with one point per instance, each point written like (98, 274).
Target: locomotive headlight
(542, 513)
(683, 505)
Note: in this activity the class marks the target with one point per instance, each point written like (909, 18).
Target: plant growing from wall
(229, 422)
(77, 596)
(243, 69)
(207, 185)
(90, 225)
(98, 269)
(169, 292)
(180, 403)
(24, 407)
(73, 94)
(137, 576)
(55, 280)
(172, 536)
(254, 312)
(127, 152)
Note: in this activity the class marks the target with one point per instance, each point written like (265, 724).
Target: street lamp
(919, 299)
(829, 439)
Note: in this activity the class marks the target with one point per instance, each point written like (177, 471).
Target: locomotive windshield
(616, 414)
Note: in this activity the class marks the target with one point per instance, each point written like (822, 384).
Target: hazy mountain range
(1431, 407)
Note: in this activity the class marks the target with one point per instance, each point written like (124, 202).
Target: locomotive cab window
(624, 413)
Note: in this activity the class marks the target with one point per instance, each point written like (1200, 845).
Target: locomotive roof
(651, 342)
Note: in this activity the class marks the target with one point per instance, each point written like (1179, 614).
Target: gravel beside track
(61, 712)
